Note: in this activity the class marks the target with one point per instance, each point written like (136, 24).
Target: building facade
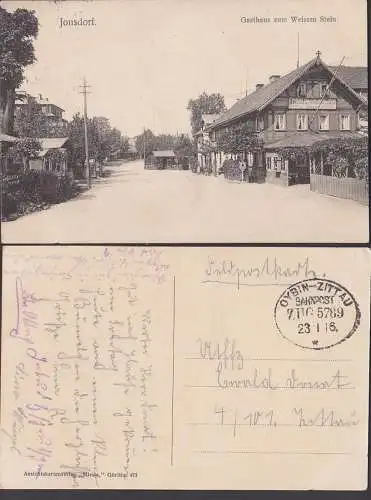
(38, 115)
(310, 104)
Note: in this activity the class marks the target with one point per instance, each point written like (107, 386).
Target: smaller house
(53, 157)
(30, 110)
(48, 108)
(161, 160)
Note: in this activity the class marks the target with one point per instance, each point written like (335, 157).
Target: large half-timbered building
(311, 103)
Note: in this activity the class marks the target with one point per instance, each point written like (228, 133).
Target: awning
(52, 142)
(164, 154)
(303, 139)
(8, 138)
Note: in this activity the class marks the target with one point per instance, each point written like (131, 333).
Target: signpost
(308, 103)
(242, 166)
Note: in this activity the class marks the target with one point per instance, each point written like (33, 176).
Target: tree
(124, 145)
(17, 33)
(103, 140)
(204, 104)
(345, 155)
(145, 142)
(24, 150)
(184, 146)
(238, 139)
(164, 142)
(76, 136)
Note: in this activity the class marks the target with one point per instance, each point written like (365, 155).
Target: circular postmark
(316, 314)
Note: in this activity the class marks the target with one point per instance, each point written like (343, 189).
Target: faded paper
(143, 62)
(140, 367)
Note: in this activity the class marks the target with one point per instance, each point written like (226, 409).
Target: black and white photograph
(185, 254)
(185, 122)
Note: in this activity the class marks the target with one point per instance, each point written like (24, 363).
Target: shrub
(35, 188)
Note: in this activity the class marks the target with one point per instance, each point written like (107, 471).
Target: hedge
(33, 188)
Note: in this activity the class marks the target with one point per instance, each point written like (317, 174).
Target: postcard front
(184, 368)
(175, 121)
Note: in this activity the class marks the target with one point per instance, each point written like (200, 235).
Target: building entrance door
(299, 171)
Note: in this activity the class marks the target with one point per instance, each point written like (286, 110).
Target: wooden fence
(342, 187)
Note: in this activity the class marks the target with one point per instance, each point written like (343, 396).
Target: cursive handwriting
(227, 272)
(85, 373)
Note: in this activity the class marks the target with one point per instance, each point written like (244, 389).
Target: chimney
(273, 78)
(259, 86)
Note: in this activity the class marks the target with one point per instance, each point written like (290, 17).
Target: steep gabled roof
(355, 76)
(52, 142)
(260, 98)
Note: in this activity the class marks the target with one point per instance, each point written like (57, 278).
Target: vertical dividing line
(172, 378)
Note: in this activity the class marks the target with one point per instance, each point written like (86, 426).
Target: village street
(138, 205)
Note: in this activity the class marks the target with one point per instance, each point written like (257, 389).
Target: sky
(144, 59)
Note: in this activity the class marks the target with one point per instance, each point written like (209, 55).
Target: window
(259, 123)
(344, 122)
(268, 162)
(279, 121)
(323, 122)
(302, 122)
(301, 90)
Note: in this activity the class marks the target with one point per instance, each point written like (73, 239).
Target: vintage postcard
(184, 121)
(184, 368)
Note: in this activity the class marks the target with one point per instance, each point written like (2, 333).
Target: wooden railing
(342, 187)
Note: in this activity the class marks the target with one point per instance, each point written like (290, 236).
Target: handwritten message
(164, 368)
(86, 364)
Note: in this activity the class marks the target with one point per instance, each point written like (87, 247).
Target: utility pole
(84, 91)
